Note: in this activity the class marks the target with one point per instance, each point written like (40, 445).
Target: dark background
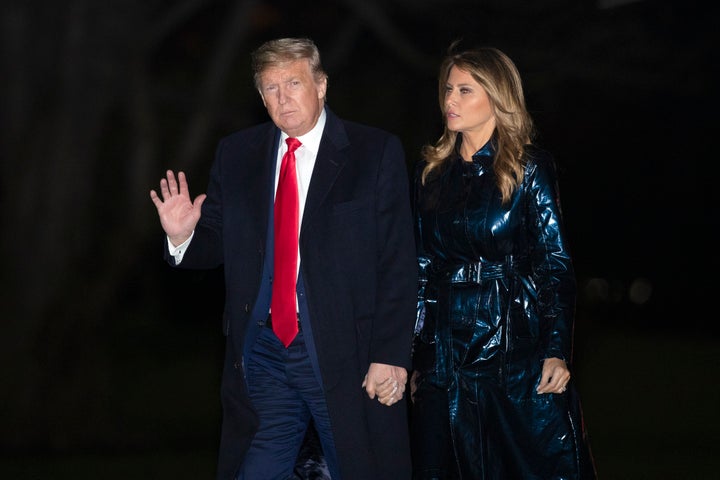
(110, 361)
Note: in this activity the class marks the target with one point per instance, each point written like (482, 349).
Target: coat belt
(475, 272)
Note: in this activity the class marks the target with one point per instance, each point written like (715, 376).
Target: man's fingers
(172, 185)
(386, 382)
(199, 200)
(183, 184)
(391, 393)
(369, 387)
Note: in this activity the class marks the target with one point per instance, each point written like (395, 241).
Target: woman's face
(468, 108)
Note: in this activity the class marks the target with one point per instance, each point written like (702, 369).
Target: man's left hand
(386, 382)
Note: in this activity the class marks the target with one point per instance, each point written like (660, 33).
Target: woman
(491, 387)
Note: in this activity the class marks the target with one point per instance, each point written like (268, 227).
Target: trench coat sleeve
(423, 259)
(551, 261)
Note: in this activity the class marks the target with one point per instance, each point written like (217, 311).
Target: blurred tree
(82, 135)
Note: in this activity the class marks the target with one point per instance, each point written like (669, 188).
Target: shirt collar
(311, 140)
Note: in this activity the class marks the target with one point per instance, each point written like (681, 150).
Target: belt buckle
(474, 272)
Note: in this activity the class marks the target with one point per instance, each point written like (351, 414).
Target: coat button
(236, 365)
(247, 308)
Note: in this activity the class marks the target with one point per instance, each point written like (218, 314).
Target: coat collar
(332, 156)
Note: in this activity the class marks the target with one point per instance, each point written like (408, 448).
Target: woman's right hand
(413, 384)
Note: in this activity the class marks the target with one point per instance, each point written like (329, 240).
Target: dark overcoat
(359, 275)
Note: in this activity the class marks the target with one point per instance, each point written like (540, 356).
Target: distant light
(603, 4)
(640, 291)
(597, 290)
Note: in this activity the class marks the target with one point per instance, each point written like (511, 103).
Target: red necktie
(287, 206)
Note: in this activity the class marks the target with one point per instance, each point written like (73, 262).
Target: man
(344, 364)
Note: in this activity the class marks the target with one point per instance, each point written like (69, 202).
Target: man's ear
(322, 87)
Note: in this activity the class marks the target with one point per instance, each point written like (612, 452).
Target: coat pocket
(463, 305)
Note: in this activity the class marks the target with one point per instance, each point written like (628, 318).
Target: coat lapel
(331, 157)
(262, 186)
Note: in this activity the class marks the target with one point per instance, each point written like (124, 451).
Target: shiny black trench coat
(496, 297)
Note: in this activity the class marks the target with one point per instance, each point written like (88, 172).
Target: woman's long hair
(514, 129)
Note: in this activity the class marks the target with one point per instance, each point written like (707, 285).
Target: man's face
(292, 97)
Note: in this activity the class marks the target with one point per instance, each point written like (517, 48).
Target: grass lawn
(650, 402)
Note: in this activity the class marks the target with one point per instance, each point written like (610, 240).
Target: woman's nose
(450, 99)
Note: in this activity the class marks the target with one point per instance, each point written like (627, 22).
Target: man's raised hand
(178, 213)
